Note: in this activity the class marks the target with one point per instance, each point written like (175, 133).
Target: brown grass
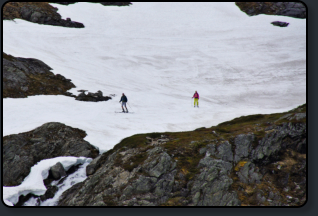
(12, 10)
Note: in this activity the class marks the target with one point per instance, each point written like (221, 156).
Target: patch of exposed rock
(202, 168)
(21, 151)
(291, 9)
(22, 77)
(37, 12)
(90, 97)
(280, 24)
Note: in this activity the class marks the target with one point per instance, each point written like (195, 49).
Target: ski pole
(130, 106)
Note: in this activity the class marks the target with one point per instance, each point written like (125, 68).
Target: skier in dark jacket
(124, 100)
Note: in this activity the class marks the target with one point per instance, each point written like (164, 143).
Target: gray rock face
(158, 165)
(23, 77)
(22, 151)
(249, 174)
(243, 144)
(222, 151)
(211, 187)
(288, 135)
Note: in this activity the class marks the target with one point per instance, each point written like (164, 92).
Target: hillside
(257, 160)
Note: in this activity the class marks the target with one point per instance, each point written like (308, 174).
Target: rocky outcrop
(21, 151)
(257, 160)
(37, 12)
(22, 77)
(291, 9)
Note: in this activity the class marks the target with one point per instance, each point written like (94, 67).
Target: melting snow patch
(33, 183)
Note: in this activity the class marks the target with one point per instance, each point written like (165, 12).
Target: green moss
(176, 201)
(154, 135)
(243, 119)
(135, 141)
(118, 160)
(134, 161)
(109, 200)
(12, 10)
(8, 57)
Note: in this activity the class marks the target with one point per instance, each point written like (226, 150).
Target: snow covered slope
(158, 54)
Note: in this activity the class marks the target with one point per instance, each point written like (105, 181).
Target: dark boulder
(57, 171)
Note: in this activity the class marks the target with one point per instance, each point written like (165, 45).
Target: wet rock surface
(22, 77)
(22, 151)
(262, 168)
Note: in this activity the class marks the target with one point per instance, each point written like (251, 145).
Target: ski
(124, 112)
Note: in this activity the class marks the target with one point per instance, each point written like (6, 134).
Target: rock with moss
(22, 77)
(225, 165)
